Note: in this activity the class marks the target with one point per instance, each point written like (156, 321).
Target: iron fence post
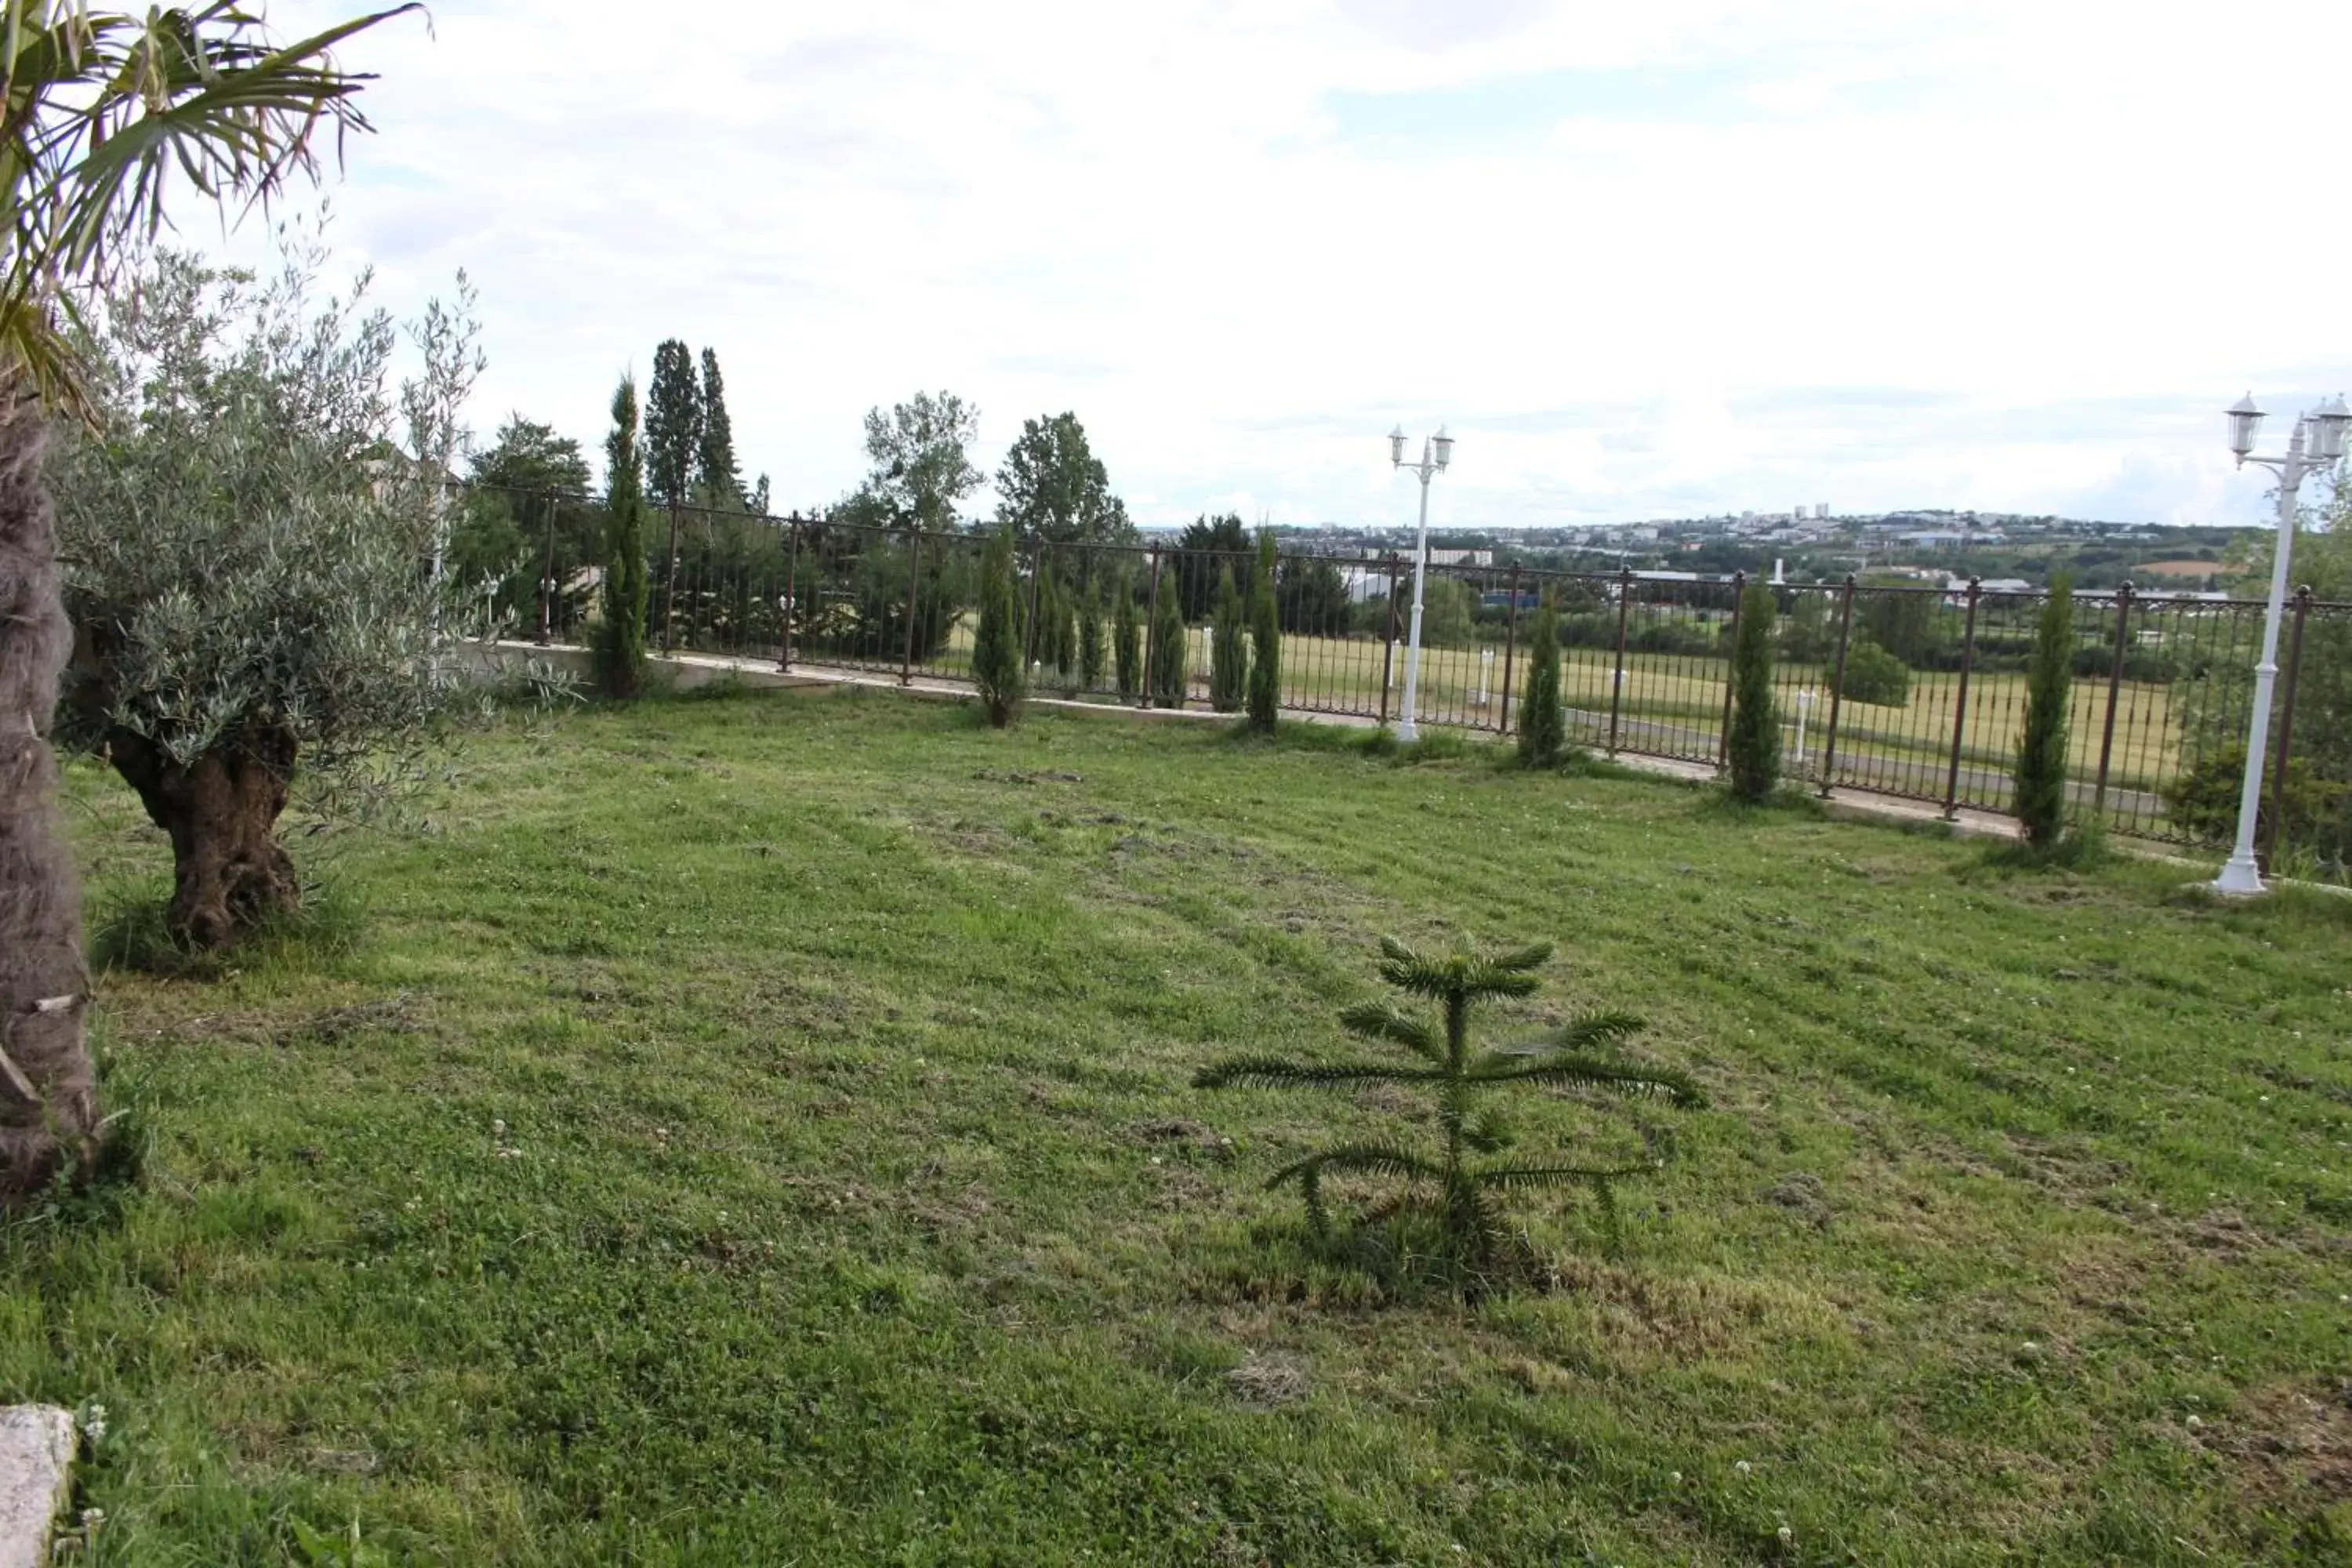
(1837, 689)
(669, 594)
(1730, 673)
(1388, 643)
(1617, 676)
(1150, 626)
(791, 586)
(1510, 649)
(914, 577)
(1961, 706)
(2115, 691)
(2287, 729)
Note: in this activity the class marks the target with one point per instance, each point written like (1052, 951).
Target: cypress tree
(1126, 641)
(1170, 677)
(1090, 638)
(1065, 630)
(621, 643)
(673, 425)
(2039, 775)
(996, 653)
(1226, 658)
(1266, 636)
(1755, 740)
(715, 465)
(1543, 728)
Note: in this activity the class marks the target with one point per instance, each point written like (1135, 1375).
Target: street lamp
(2317, 442)
(1436, 453)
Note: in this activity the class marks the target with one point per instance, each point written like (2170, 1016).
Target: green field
(757, 1130)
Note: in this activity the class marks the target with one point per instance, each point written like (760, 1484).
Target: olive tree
(248, 555)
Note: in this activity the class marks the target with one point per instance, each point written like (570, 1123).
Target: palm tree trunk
(49, 1093)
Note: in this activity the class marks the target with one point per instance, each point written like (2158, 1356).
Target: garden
(762, 1127)
(445, 1118)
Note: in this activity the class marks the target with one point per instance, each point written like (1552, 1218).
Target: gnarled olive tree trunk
(228, 869)
(49, 1094)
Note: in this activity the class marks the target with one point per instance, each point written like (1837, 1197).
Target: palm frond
(103, 110)
(1370, 1158)
(1532, 957)
(1273, 1072)
(1592, 1072)
(1386, 1021)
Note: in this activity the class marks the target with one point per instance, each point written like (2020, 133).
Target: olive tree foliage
(249, 555)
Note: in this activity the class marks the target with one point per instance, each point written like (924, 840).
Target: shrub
(1265, 639)
(1126, 642)
(1873, 675)
(997, 665)
(1543, 730)
(1168, 676)
(2203, 804)
(1753, 747)
(2039, 775)
(1461, 1180)
(1226, 653)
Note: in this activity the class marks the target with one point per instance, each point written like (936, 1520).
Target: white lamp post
(2317, 442)
(1436, 453)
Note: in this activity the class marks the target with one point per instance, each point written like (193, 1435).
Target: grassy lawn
(757, 1130)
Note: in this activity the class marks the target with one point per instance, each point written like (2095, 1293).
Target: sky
(1671, 260)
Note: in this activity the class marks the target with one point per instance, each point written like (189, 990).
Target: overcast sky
(1655, 259)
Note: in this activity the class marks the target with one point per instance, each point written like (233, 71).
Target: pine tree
(1466, 1189)
(2040, 773)
(1171, 676)
(996, 653)
(715, 466)
(1754, 743)
(1090, 638)
(1543, 729)
(1126, 641)
(1265, 636)
(1226, 656)
(621, 642)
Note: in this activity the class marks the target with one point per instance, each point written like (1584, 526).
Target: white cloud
(2028, 249)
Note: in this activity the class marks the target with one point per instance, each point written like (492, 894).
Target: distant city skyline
(1646, 262)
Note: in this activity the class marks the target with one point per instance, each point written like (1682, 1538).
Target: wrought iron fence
(1911, 691)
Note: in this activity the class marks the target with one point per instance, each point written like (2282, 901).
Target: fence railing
(1911, 691)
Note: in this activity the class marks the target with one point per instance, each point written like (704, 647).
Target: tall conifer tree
(1266, 636)
(715, 466)
(621, 643)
